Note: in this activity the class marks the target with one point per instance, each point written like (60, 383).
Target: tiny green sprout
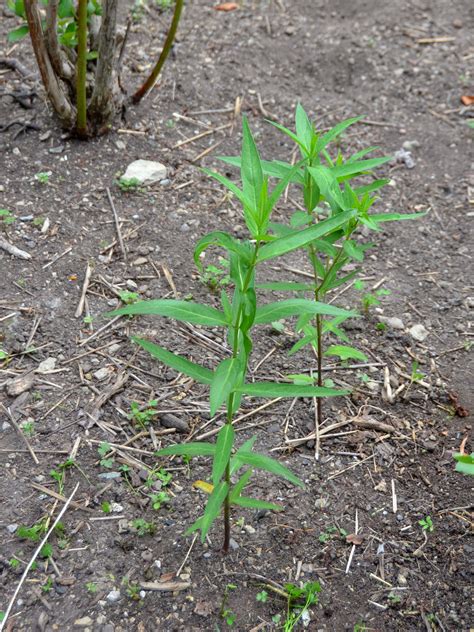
(360, 627)
(28, 428)
(159, 499)
(38, 221)
(103, 449)
(143, 416)
(262, 596)
(32, 533)
(2, 615)
(91, 587)
(128, 297)
(46, 550)
(88, 320)
(6, 217)
(105, 506)
(276, 619)
(278, 326)
(216, 277)
(394, 598)
(128, 185)
(426, 524)
(143, 527)
(381, 326)
(47, 586)
(3, 355)
(465, 463)
(164, 476)
(43, 176)
(299, 599)
(364, 378)
(164, 4)
(416, 376)
(14, 563)
(131, 588)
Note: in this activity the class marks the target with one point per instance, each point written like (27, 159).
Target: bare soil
(404, 65)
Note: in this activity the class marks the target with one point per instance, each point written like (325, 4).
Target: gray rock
(250, 530)
(108, 475)
(84, 622)
(47, 365)
(102, 373)
(392, 321)
(233, 544)
(145, 171)
(11, 528)
(114, 596)
(469, 302)
(405, 157)
(418, 332)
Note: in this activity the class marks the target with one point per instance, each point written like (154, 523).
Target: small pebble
(233, 544)
(84, 622)
(11, 528)
(113, 596)
(418, 332)
(249, 529)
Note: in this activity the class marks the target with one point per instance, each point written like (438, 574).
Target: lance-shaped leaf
(301, 238)
(345, 353)
(250, 168)
(395, 217)
(225, 377)
(262, 462)
(176, 362)
(304, 128)
(275, 389)
(241, 484)
(229, 185)
(224, 443)
(246, 447)
(329, 187)
(213, 508)
(226, 241)
(465, 463)
(335, 132)
(255, 503)
(186, 311)
(197, 448)
(274, 169)
(359, 167)
(297, 306)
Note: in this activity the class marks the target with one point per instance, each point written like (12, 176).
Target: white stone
(47, 365)
(102, 373)
(11, 528)
(145, 171)
(392, 321)
(113, 596)
(84, 622)
(418, 332)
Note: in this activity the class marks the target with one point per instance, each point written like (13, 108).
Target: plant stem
(150, 82)
(225, 547)
(81, 99)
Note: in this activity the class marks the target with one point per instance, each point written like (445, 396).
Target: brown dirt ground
(339, 59)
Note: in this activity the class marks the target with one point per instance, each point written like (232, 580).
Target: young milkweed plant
(239, 314)
(327, 193)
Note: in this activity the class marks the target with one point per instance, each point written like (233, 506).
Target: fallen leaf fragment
(467, 100)
(460, 411)
(227, 6)
(203, 486)
(353, 538)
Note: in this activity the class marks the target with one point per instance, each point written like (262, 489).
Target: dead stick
(35, 555)
(85, 286)
(13, 250)
(117, 225)
(22, 435)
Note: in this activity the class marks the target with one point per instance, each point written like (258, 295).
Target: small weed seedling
(465, 463)
(225, 612)
(298, 602)
(91, 587)
(331, 202)
(128, 297)
(43, 177)
(239, 315)
(216, 277)
(416, 376)
(131, 588)
(262, 596)
(144, 416)
(59, 473)
(28, 428)
(128, 185)
(159, 499)
(6, 217)
(143, 527)
(47, 586)
(14, 563)
(330, 533)
(360, 627)
(103, 449)
(426, 524)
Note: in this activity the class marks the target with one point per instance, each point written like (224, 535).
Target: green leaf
(304, 127)
(293, 136)
(329, 186)
(359, 167)
(353, 250)
(240, 485)
(224, 380)
(246, 447)
(251, 169)
(465, 463)
(226, 241)
(345, 353)
(262, 462)
(395, 217)
(177, 362)
(254, 503)
(186, 311)
(229, 185)
(188, 449)
(281, 186)
(276, 389)
(335, 132)
(17, 34)
(301, 238)
(224, 443)
(213, 508)
(297, 306)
